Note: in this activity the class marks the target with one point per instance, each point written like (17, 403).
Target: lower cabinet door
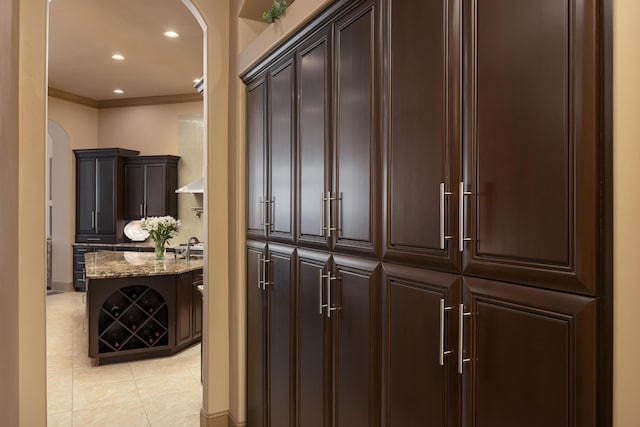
(355, 301)
(256, 336)
(183, 309)
(313, 341)
(421, 382)
(532, 356)
(281, 358)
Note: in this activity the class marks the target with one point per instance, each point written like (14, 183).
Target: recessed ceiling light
(117, 57)
(171, 34)
(118, 91)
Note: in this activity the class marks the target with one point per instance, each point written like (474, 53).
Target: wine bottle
(133, 326)
(133, 294)
(115, 311)
(150, 340)
(115, 341)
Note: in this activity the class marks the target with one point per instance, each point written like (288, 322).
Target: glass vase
(159, 246)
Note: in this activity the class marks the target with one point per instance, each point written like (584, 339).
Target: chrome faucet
(196, 241)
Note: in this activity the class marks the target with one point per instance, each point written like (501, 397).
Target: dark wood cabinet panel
(531, 142)
(134, 197)
(314, 136)
(356, 376)
(150, 185)
(422, 143)
(533, 356)
(184, 285)
(281, 347)
(256, 336)
(356, 160)
(85, 195)
(100, 194)
(256, 158)
(313, 342)
(282, 152)
(420, 378)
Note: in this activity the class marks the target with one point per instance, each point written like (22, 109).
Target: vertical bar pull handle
(261, 203)
(260, 265)
(328, 216)
(461, 360)
(461, 195)
(93, 219)
(322, 211)
(442, 353)
(141, 211)
(265, 273)
(320, 293)
(330, 308)
(442, 226)
(272, 213)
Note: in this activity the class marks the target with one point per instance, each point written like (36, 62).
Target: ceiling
(83, 34)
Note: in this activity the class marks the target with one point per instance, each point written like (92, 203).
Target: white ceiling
(83, 34)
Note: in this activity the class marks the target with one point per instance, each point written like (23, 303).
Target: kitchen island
(139, 307)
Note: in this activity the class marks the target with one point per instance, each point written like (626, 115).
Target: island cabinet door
(532, 142)
(184, 292)
(420, 335)
(256, 334)
(356, 160)
(529, 356)
(421, 152)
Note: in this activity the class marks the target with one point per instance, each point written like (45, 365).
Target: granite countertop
(110, 264)
(144, 244)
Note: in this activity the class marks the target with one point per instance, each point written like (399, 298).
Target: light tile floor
(156, 392)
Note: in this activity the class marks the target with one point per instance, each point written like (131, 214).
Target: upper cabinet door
(155, 197)
(314, 124)
(282, 152)
(256, 158)
(356, 159)
(422, 138)
(85, 195)
(134, 196)
(531, 142)
(106, 202)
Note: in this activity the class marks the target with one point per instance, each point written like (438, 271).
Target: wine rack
(132, 318)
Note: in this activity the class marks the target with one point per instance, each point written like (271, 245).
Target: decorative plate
(134, 231)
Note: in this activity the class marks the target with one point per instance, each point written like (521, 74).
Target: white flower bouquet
(161, 229)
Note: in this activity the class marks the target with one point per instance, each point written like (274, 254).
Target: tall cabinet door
(313, 388)
(256, 335)
(86, 195)
(355, 296)
(420, 331)
(106, 203)
(532, 127)
(421, 151)
(256, 158)
(280, 342)
(282, 152)
(356, 156)
(314, 124)
(532, 357)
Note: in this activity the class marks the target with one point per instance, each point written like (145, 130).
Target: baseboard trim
(219, 419)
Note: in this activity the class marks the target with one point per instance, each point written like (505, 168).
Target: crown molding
(126, 102)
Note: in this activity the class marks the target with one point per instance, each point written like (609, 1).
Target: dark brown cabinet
(461, 145)
(422, 140)
(270, 154)
(338, 340)
(420, 330)
(99, 194)
(271, 322)
(532, 142)
(532, 356)
(150, 184)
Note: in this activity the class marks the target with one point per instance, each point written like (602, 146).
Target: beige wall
(151, 129)
(79, 121)
(626, 178)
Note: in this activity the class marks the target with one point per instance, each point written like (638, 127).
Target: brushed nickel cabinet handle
(330, 308)
(141, 211)
(461, 360)
(322, 212)
(320, 293)
(442, 225)
(442, 353)
(93, 219)
(461, 211)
